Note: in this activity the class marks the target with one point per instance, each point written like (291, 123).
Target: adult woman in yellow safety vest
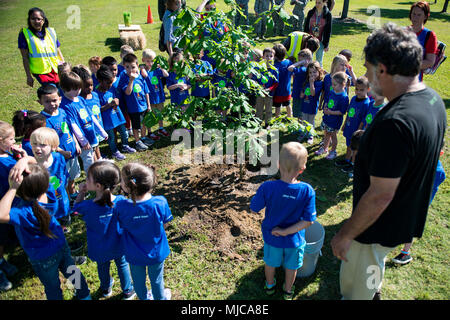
(39, 47)
(299, 40)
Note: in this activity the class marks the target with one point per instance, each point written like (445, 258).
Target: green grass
(195, 269)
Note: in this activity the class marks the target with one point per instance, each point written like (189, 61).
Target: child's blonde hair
(306, 54)
(148, 54)
(340, 77)
(336, 61)
(257, 54)
(5, 130)
(45, 135)
(125, 49)
(293, 157)
(64, 67)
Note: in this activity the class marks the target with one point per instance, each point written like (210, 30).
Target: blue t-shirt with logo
(327, 88)
(102, 229)
(144, 239)
(155, 86)
(60, 123)
(111, 117)
(284, 78)
(299, 80)
(78, 113)
(269, 77)
(336, 102)
(371, 111)
(6, 163)
(58, 179)
(94, 106)
(36, 245)
(176, 95)
(310, 103)
(201, 89)
(355, 115)
(136, 101)
(26, 145)
(286, 204)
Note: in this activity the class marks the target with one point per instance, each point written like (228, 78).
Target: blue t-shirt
(94, 80)
(102, 230)
(58, 179)
(6, 163)
(299, 80)
(136, 101)
(155, 86)
(269, 77)
(177, 96)
(438, 179)
(94, 106)
(284, 78)
(144, 239)
(26, 145)
(355, 115)
(336, 102)
(201, 89)
(310, 103)
(327, 88)
(111, 118)
(286, 204)
(80, 115)
(221, 80)
(371, 111)
(36, 245)
(60, 124)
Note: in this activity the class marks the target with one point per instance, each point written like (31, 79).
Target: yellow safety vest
(43, 53)
(296, 43)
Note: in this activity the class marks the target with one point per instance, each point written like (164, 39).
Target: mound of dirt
(212, 199)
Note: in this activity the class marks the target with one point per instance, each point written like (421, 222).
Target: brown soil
(212, 198)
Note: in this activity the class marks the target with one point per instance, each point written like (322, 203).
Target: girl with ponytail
(102, 229)
(39, 233)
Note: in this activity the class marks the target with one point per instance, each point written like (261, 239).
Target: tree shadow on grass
(395, 14)
(447, 103)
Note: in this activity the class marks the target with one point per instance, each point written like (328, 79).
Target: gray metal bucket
(314, 236)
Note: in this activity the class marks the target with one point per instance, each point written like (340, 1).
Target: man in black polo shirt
(395, 165)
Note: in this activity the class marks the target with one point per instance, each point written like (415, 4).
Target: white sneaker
(167, 294)
(332, 155)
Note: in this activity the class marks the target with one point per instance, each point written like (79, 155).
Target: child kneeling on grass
(290, 208)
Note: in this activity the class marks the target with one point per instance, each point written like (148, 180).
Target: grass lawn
(198, 268)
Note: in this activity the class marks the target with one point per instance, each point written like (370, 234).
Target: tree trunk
(445, 7)
(345, 9)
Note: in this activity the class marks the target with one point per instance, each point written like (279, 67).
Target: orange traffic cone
(149, 15)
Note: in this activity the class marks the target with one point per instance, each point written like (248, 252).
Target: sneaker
(8, 268)
(153, 136)
(106, 293)
(127, 149)
(118, 156)
(167, 294)
(5, 284)
(288, 295)
(270, 290)
(130, 132)
(130, 295)
(320, 151)
(310, 140)
(163, 132)
(402, 258)
(147, 141)
(65, 229)
(140, 146)
(348, 168)
(332, 155)
(79, 260)
(342, 163)
(75, 246)
(149, 295)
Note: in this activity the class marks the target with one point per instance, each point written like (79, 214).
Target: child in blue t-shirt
(135, 90)
(94, 64)
(178, 85)
(57, 119)
(375, 105)
(357, 110)
(311, 92)
(143, 219)
(154, 80)
(39, 233)
(282, 95)
(24, 123)
(92, 103)
(203, 72)
(334, 114)
(299, 71)
(102, 228)
(112, 116)
(290, 209)
(83, 124)
(44, 142)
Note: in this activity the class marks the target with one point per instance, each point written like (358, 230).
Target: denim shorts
(289, 258)
(328, 128)
(73, 167)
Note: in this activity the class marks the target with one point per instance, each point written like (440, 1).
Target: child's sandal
(270, 289)
(288, 295)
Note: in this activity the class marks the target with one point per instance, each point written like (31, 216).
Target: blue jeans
(319, 54)
(112, 138)
(156, 275)
(47, 271)
(122, 270)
